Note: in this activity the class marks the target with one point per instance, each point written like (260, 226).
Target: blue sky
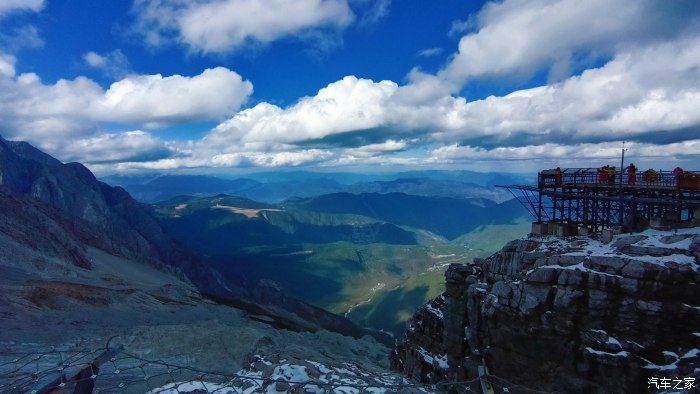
(282, 71)
(225, 85)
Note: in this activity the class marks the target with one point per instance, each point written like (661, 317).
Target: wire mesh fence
(111, 369)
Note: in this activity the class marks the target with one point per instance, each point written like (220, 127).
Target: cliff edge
(565, 314)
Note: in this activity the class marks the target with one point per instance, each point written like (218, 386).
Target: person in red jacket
(631, 174)
(677, 172)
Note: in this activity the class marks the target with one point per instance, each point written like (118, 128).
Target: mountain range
(445, 216)
(336, 250)
(276, 187)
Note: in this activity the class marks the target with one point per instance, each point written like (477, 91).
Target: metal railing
(594, 177)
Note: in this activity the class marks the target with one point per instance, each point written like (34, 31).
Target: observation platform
(588, 200)
(594, 178)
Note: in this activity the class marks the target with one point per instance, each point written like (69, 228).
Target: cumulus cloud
(157, 100)
(7, 6)
(125, 146)
(646, 91)
(633, 96)
(113, 64)
(49, 112)
(224, 25)
(521, 37)
(629, 97)
(345, 105)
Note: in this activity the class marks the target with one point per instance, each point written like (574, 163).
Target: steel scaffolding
(595, 199)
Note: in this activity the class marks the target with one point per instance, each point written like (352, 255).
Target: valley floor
(389, 304)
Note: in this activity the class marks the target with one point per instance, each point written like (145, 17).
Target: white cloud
(647, 91)
(509, 158)
(223, 160)
(65, 118)
(125, 146)
(223, 25)
(46, 113)
(94, 60)
(459, 27)
(571, 153)
(113, 64)
(7, 6)
(377, 10)
(157, 100)
(377, 149)
(7, 65)
(631, 95)
(521, 37)
(270, 159)
(532, 158)
(430, 52)
(21, 37)
(346, 105)
(386, 146)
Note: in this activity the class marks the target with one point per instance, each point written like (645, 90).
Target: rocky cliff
(565, 314)
(107, 217)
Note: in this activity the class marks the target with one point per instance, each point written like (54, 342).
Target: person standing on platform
(631, 174)
(557, 176)
(677, 172)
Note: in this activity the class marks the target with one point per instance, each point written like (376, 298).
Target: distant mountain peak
(29, 152)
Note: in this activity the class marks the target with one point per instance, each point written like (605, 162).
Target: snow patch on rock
(440, 360)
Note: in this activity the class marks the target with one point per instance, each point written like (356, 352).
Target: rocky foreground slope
(565, 314)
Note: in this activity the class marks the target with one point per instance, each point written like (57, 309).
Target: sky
(222, 86)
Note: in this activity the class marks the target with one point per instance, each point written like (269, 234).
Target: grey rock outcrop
(111, 219)
(570, 315)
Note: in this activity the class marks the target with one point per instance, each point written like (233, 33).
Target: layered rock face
(565, 314)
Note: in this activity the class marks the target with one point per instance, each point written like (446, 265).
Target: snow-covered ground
(679, 240)
(287, 376)
(672, 365)
(439, 360)
(433, 310)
